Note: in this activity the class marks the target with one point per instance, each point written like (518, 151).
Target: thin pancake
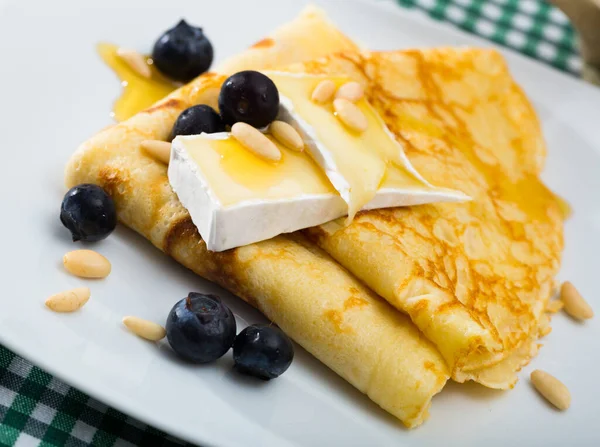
(290, 43)
(294, 283)
(474, 277)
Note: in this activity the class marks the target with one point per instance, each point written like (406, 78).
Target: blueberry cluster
(201, 329)
(184, 52)
(248, 97)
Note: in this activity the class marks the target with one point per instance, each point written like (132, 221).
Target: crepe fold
(474, 277)
(293, 282)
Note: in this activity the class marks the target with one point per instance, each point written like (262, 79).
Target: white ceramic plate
(55, 93)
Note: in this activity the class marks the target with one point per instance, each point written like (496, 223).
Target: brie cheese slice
(236, 198)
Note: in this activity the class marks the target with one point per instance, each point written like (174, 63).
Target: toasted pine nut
(323, 92)
(255, 141)
(350, 115)
(554, 306)
(286, 135)
(144, 328)
(159, 150)
(87, 264)
(136, 61)
(553, 390)
(352, 91)
(575, 305)
(69, 300)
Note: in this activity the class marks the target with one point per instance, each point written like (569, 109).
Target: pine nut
(159, 150)
(255, 141)
(352, 91)
(553, 390)
(87, 264)
(286, 135)
(136, 62)
(575, 305)
(144, 328)
(350, 115)
(323, 92)
(69, 300)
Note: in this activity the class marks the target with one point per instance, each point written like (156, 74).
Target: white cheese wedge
(358, 165)
(236, 198)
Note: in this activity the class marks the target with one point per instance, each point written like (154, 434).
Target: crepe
(295, 284)
(474, 277)
(308, 37)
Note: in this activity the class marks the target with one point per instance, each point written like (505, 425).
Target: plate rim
(101, 391)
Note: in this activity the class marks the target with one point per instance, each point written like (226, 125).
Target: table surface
(37, 409)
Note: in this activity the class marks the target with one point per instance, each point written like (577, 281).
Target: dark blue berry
(262, 351)
(200, 328)
(88, 212)
(249, 97)
(183, 52)
(196, 120)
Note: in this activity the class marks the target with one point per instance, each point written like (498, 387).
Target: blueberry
(262, 351)
(183, 52)
(200, 328)
(88, 212)
(249, 97)
(196, 120)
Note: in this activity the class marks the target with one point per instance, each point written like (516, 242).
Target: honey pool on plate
(138, 92)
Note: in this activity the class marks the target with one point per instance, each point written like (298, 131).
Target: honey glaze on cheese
(138, 93)
(362, 158)
(236, 174)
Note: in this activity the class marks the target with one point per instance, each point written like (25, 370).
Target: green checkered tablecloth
(38, 409)
(532, 27)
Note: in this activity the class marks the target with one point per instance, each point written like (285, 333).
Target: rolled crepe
(294, 283)
(475, 277)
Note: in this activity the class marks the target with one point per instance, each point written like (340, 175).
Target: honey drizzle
(529, 193)
(138, 93)
(565, 208)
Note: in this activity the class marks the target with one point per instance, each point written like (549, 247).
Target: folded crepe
(293, 282)
(309, 36)
(475, 277)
